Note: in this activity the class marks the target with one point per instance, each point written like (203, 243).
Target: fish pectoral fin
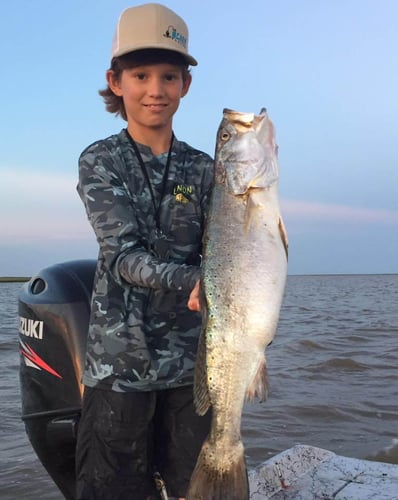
(251, 213)
(259, 385)
(200, 388)
(283, 233)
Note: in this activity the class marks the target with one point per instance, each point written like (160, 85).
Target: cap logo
(174, 35)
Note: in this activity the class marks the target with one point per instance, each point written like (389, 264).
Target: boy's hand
(193, 301)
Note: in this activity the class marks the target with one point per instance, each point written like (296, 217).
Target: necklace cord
(147, 180)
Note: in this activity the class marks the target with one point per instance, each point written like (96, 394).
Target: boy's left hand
(193, 301)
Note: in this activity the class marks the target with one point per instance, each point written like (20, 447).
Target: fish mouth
(241, 117)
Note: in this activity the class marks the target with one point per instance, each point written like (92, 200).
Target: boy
(146, 195)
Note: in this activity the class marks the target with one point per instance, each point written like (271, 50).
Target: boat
(54, 311)
(309, 473)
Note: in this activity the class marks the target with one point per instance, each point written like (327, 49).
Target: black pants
(123, 438)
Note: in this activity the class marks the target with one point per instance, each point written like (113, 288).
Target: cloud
(31, 185)
(41, 206)
(45, 206)
(337, 213)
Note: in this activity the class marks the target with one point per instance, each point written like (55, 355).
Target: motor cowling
(54, 310)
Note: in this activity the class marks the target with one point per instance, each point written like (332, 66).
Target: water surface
(333, 372)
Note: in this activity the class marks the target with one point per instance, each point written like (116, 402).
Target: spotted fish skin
(242, 285)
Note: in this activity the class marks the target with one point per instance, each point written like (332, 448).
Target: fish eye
(225, 136)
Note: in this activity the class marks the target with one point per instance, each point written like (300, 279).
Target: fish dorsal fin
(200, 389)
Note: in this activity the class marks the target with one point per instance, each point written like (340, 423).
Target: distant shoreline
(14, 279)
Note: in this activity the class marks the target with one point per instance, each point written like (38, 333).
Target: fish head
(246, 152)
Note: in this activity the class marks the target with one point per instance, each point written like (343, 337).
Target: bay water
(333, 376)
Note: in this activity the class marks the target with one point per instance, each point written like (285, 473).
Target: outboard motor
(54, 309)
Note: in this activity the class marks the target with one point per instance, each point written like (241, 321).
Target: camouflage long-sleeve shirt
(142, 336)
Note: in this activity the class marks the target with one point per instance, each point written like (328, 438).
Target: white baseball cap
(151, 26)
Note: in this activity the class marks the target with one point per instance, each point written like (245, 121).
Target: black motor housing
(54, 309)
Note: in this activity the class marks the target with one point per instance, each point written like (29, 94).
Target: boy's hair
(113, 103)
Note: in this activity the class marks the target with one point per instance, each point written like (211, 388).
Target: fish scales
(243, 279)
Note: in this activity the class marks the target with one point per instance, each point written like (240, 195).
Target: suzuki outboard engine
(54, 309)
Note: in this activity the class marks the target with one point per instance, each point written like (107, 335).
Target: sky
(327, 72)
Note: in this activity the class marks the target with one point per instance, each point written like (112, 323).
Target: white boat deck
(309, 473)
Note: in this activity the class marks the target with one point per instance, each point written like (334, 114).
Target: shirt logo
(182, 193)
(174, 35)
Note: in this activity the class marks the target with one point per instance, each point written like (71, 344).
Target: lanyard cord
(146, 175)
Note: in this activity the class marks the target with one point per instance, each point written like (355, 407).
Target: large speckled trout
(243, 281)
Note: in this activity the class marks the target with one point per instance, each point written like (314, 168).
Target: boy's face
(151, 93)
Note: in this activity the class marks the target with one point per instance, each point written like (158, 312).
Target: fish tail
(216, 478)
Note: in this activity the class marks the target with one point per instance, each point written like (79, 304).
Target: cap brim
(126, 50)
